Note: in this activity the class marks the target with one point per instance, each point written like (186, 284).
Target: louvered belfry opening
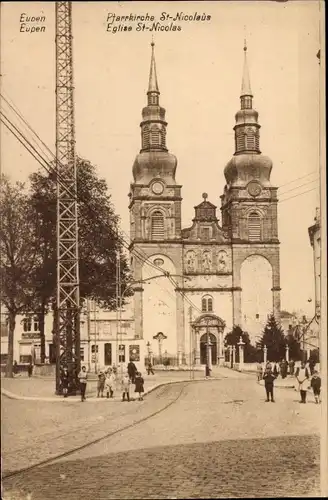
(157, 226)
(254, 226)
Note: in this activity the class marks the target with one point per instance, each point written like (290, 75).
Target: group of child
(107, 381)
(304, 378)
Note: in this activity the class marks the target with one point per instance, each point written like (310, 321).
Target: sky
(199, 71)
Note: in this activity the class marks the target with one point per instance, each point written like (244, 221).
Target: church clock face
(157, 188)
(254, 189)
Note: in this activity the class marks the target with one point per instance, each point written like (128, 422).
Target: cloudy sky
(199, 72)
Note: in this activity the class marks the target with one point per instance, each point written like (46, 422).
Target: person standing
(139, 381)
(291, 367)
(15, 368)
(132, 370)
(101, 384)
(283, 369)
(83, 377)
(207, 371)
(316, 386)
(126, 387)
(259, 371)
(269, 379)
(302, 377)
(150, 368)
(110, 384)
(65, 382)
(30, 370)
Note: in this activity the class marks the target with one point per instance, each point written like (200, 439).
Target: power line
(45, 164)
(298, 178)
(296, 195)
(298, 187)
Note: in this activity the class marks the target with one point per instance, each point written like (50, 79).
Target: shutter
(157, 226)
(254, 227)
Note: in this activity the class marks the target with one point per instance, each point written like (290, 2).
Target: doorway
(203, 349)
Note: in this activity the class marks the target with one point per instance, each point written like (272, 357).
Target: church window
(254, 226)
(157, 226)
(207, 304)
(155, 136)
(250, 143)
(257, 140)
(163, 137)
(145, 137)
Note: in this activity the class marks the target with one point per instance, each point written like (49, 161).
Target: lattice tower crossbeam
(67, 327)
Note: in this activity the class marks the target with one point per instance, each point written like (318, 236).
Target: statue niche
(222, 261)
(206, 261)
(190, 261)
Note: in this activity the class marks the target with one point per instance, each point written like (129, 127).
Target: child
(110, 383)
(139, 381)
(269, 379)
(101, 384)
(83, 376)
(126, 387)
(316, 386)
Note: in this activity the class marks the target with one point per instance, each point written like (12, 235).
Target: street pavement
(218, 439)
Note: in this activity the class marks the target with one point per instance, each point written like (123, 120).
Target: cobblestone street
(218, 439)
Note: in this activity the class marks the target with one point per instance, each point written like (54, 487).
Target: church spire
(153, 84)
(245, 84)
(247, 135)
(153, 125)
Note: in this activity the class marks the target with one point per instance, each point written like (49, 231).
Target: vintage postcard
(163, 250)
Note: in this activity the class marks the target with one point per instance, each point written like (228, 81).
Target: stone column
(233, 356)
(287, 353)
(197, 347)
(241, 346)
(180, 326)
(221, 348)
(265, 354)
(209, 347)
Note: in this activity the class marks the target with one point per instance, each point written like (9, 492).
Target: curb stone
(94, 399)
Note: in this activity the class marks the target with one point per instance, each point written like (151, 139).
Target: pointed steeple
(153, 84)
(153, 126)
(247, 135)
(245, 84)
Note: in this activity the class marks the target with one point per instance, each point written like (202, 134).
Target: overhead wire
(50, 169)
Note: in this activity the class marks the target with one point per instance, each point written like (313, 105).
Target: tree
(99, 240)
(232, 338)
(18, 255)
(274, 339)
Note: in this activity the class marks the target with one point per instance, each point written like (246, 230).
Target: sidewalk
(43, 389)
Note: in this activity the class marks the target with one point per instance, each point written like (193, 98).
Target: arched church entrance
(207, 335)
(208, 346)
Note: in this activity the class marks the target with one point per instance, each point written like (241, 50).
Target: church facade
(192, 285)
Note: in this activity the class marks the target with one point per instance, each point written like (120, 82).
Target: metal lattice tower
(67, 326)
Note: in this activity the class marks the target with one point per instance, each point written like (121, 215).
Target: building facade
(196, 283)
(107, 338)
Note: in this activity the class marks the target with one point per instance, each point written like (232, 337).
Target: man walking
(302, 377)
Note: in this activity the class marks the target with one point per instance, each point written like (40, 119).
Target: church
(193, 284)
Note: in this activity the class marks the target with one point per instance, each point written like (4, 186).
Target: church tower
(249, 216)
(155, 207)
